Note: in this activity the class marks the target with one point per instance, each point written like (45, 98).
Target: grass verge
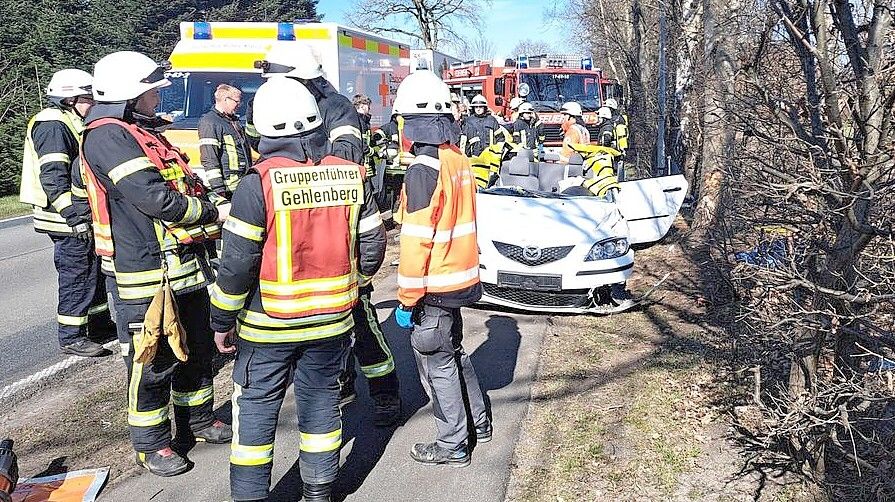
(10, 206)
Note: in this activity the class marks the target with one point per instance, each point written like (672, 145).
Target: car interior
(524, 172)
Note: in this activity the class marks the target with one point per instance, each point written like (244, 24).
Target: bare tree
(479, 47)
(429, 22)
(530, 47)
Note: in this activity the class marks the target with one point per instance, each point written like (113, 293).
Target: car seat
(520, 172)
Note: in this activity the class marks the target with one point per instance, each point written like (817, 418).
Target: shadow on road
(495, 363)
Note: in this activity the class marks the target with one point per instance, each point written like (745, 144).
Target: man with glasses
(52, 142)
(223, 148)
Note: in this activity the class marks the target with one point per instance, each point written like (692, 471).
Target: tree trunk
(637, 112)
(685, 110)
(718, 136)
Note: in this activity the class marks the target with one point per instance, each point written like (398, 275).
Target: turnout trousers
(82, 293)
(261, 375)
(371, 350)
(152, 386)
(447, 373)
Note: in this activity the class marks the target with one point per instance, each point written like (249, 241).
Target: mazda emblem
(531, 253)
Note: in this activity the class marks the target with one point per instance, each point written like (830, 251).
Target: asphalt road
(28, 340)
(375, 463)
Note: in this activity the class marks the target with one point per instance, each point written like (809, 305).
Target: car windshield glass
(191, 94)
(550, 90)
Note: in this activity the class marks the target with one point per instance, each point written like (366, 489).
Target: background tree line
(43, 36)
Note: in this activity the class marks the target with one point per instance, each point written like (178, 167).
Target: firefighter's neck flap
(431, 129)
(313, 145)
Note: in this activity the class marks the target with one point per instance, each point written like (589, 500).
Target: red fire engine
(544, 81)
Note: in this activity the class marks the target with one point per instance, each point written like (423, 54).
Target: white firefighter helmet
(125, 75)
(515, 103)
(479, 100)
(571, 108)
(423, 92)
(295, 60)
(604, 112)
(612, 104)
(526, 108)
(69, 83)
(284, 107)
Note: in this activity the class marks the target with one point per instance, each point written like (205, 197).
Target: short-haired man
(223, 148)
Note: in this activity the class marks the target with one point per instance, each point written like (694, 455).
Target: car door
(650, 206)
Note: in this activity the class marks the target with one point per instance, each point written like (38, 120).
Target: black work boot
(483, 432)
(216, 433)
(317, 493)
(431, 453)
(165, 462)
(85, 348)
(386, 410)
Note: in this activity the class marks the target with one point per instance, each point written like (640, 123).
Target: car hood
(547, 222)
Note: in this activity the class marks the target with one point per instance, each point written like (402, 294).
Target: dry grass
(630, 407)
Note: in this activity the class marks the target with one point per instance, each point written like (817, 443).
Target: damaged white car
(545, 251)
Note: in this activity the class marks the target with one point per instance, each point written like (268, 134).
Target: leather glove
(403, 316)
(83, 232)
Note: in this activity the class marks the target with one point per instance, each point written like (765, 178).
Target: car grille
(571, 298)
(553, 132)
(548, 255)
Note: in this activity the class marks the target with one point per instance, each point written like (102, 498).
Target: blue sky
(507, 22)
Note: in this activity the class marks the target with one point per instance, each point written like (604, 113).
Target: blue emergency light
(587, 63)
(201, 30)
(522, 62)
(285, 31)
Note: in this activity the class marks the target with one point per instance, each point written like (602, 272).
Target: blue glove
(402, 317)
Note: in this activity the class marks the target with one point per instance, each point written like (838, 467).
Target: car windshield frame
(549, 90)
(191, 94)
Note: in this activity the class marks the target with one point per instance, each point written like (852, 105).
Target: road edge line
(24, 384)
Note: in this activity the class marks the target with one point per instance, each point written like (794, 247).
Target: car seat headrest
(519, 166)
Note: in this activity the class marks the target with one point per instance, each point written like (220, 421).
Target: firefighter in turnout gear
(223, 148)
(151, 220)
(52, 143)
(527, 129)
(574, 132)
(438, 272)
(303, 232)
(340, 119)
(481, 130)
(620, 130)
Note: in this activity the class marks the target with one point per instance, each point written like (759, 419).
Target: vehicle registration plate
(530, 282)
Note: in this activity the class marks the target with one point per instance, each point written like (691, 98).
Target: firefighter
(152, 217)
(60, 210)
(606, 133)
(362, 105)
(340, 120)
(620, 130)
(515, 103)
(438, 272)
(481, 129)
(620, 120)
(527, 129)
(223, 148)
(294, 252)
(574, 132)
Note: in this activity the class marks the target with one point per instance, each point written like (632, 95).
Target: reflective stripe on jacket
(305, 242)
(439, 251)
(224, 150)
(52, 138)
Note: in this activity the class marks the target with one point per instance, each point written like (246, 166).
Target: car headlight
(607, 249)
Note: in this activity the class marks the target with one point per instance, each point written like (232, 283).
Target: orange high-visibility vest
(174, 168)
(574, 134)
(439, 251)
(309, 259)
